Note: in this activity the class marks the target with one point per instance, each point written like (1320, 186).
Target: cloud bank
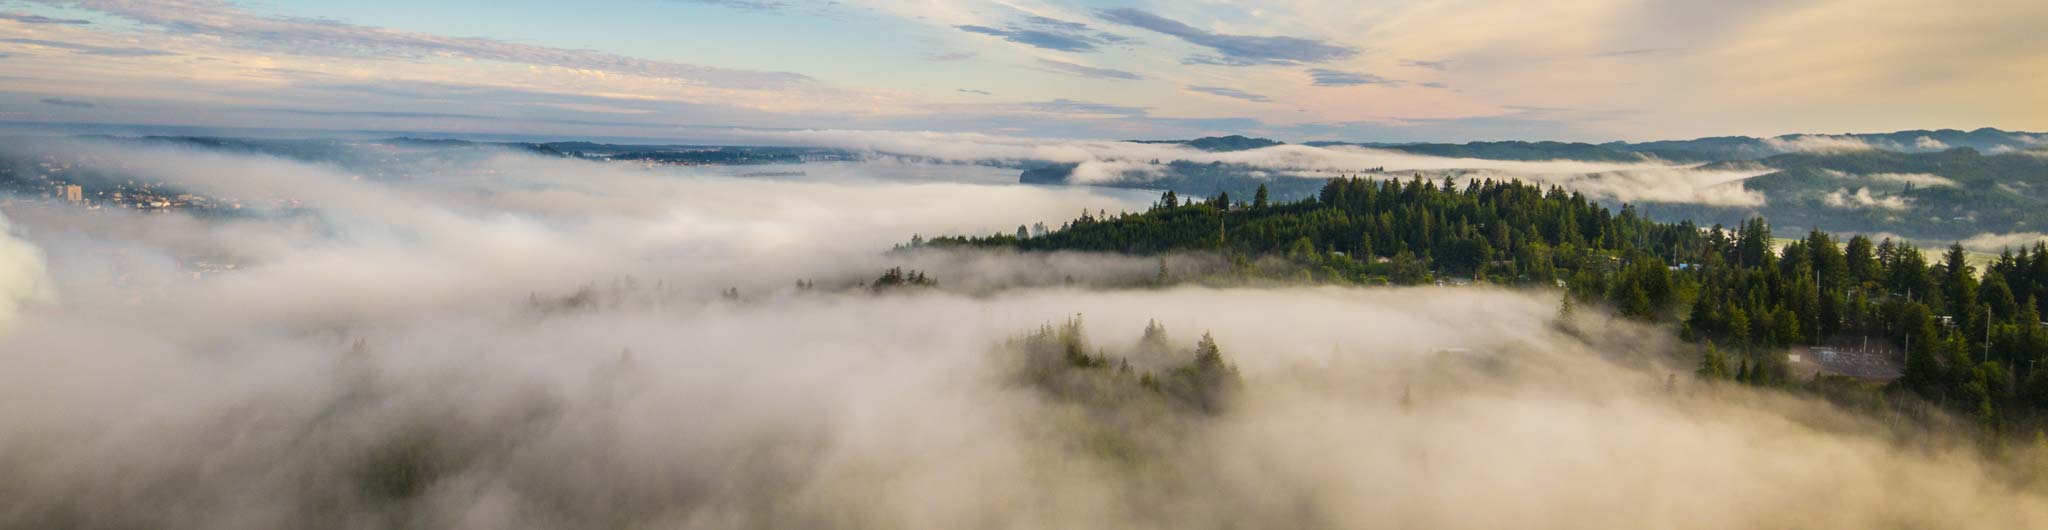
(1924, 180)
(1103, 159)
(23, 275)
(1817, 143)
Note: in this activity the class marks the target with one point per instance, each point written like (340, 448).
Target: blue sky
(1297, 69)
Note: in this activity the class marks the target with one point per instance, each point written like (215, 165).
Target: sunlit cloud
(1234, 50)
(88, 49)
(1048, 33)
(61, 102)
(1080, 70)
(1435, 73)
(26, 18)
(1328, 77)
(1231, 93)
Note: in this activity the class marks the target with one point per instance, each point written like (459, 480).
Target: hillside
(1932, 185)
(1219, 143)
(1513, 150)
(1946, 195)
(1969, 340)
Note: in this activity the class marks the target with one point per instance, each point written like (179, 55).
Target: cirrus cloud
(1229, 93)
(1234, 50)
(1328, 77)
(1080, 70)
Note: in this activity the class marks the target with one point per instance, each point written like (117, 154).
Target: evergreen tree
(1738, 328)
(1860, 260)
(1959, 289)
(1923, 373)
(1995, 294)
(1713, 365)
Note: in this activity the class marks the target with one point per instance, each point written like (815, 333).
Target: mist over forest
(489, 337)
(1023, 264)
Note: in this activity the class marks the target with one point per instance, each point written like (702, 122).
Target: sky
(1412, 70)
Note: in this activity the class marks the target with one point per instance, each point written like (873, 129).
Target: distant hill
(1509, 150)
(374, 156)
(1193, 179)
(1219, 143)
(1926, 184)
(1945, 195)
(1729, 148)
(1725, 148)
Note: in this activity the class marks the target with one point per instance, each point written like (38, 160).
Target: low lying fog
(1099, 161)
(544, 343)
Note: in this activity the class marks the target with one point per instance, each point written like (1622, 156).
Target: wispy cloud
(1048, 33)
(61, 102)
(1630, 52)
(1234, 50)
(975, 91)
(1068, 106)
(746, 5)
(1035, 38)
(27, 18)
(1080, 70)
(948, 56)
(383, 114)
(1327, 77)
(1432, 65)
(1230, 93)
(89, 49)
(278, 34)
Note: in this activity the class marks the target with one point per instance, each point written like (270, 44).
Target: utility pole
(1987, 332)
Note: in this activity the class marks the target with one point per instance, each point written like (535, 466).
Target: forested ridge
(1971, 338)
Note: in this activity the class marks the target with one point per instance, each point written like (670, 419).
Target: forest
(1971, 338)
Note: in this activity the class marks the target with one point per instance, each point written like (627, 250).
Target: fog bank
(1100, 161)
(522, 342)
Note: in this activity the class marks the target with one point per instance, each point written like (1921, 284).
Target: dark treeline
(1970, 339)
